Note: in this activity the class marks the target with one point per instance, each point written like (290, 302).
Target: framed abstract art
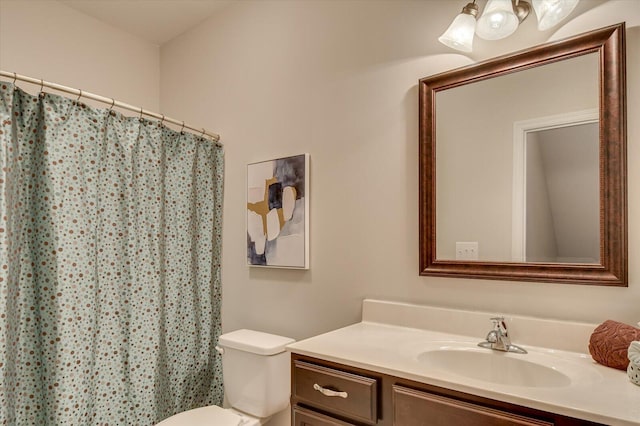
(278, 213)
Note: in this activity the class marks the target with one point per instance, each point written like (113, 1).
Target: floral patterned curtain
(110, 239)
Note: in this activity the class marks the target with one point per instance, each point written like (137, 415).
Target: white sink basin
(494, 366)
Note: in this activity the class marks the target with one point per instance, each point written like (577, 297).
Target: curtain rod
(110, 101)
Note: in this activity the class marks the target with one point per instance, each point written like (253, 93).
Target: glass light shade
(497, 21)
(459, 35)
(551, 12)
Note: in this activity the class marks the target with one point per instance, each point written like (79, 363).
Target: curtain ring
(140, 118)
(182, 129)
(79, 96)
(162, 121)
(203, 132)
(113, 102)
(15, 77)
(41, 94)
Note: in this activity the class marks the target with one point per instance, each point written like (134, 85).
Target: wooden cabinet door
(417, 408)
(304, 417)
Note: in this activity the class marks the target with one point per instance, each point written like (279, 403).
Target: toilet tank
(256, 371)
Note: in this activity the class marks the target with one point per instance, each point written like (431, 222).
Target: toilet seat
(204, 416)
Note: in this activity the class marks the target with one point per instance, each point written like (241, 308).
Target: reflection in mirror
(478, 174)
(561, 196)
(556, 166)
(523, 165)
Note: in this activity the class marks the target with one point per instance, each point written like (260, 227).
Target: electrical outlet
(467, 250)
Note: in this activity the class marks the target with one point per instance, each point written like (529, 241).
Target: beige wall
(47, 40)
(339, 80)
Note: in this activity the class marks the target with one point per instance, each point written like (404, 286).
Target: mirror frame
(609, 43)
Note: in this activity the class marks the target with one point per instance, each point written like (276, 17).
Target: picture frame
(277, 210)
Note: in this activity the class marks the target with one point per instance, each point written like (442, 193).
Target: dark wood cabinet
(325, 393)
(417, 408)
(304, 417)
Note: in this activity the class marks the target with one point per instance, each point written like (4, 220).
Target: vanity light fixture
(459, 35)
(500, 19)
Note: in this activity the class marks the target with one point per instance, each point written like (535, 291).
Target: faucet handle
(497, 321)
(500, 325)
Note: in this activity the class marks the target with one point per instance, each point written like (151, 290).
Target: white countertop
(596, 393)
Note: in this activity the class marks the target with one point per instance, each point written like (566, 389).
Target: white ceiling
(156, 21)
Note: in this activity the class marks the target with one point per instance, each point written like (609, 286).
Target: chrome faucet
(498, 338)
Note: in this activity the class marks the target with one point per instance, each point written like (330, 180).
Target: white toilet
(256, 375)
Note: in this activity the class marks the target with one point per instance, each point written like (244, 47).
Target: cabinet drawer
(302, 417)
(414, 408)
(349, 395)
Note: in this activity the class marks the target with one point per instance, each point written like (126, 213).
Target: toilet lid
(205, 416)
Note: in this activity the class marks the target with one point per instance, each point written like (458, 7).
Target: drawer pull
(329, 392)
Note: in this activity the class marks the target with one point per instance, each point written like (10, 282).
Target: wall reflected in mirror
(561, 203)
(517, 176)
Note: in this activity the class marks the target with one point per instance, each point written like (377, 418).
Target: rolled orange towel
(610, 342)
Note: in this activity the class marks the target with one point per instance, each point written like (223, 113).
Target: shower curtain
(110, 235)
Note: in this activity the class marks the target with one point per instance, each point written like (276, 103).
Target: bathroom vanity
(372, 398)
(418, 365)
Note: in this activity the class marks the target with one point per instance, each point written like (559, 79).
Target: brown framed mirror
(523, 165)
